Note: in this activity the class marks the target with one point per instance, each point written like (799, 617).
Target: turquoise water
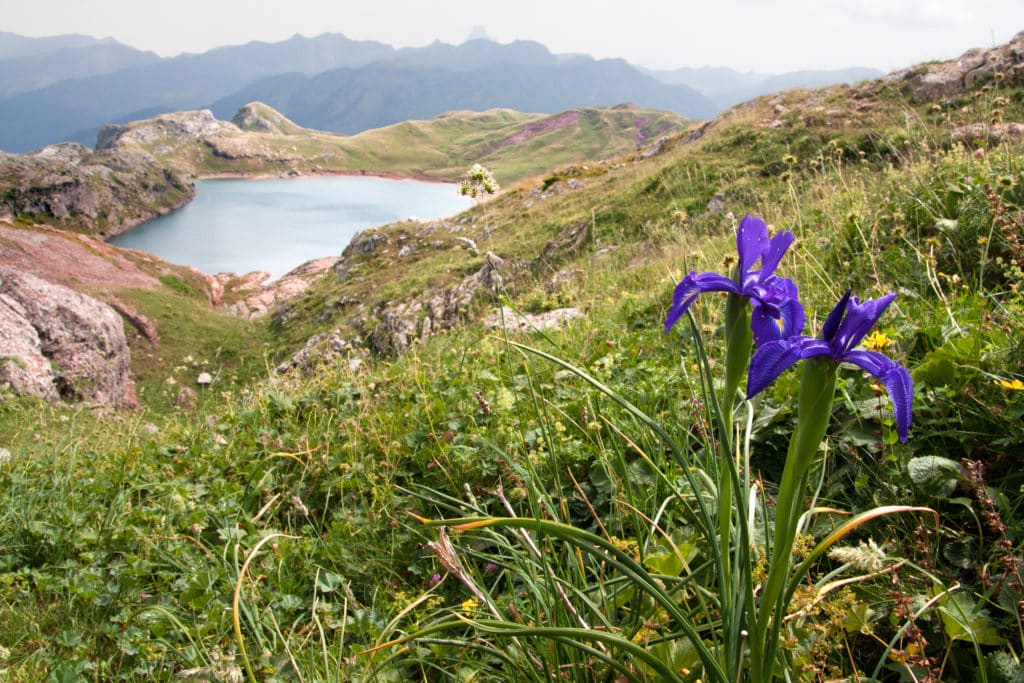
(237, 226)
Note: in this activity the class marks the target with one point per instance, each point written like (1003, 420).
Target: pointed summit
(478, 33)
(261, 118)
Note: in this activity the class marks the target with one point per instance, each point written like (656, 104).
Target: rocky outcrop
(103, 193)
(566, 244)
(140, 322)
(365, 243)
(944, 80)
(1007, 130)
(258, 138)
(22, 364)
(255, 298)
(77, 261)
(401, 324)
(180, 127)
(328, 349)
(59, 344)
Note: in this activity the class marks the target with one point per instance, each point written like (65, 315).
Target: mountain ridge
(348, 101)
(15, 45)
(69, 110)
(32, 72)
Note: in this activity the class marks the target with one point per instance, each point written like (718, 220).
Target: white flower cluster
(478, 181)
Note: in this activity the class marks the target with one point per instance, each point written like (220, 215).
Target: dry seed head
(865, 557)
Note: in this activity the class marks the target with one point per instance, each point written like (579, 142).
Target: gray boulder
(59, 344)
(944, 80)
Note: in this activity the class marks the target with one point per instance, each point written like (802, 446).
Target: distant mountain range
(64, 88)
(349, 101)
(31, 63)
(13, 45)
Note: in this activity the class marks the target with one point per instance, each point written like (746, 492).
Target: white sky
(749, 35)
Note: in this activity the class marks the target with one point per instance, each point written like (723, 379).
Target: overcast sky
(749, 35)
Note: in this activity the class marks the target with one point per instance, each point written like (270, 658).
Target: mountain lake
(276, 224)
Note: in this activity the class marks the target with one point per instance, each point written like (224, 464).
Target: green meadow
(587, 502)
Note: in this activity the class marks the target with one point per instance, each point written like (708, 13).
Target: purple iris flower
(777, 313)
(845, 326)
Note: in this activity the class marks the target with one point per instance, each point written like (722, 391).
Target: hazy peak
(478, 33)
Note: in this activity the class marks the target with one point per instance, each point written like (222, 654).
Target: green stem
(739, 342)
(814, 408)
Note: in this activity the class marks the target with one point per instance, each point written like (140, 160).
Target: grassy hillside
(283, 531)
(513, 144)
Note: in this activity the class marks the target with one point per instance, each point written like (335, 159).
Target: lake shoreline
(233, 226)
(130, 225)
(388, 175)
(153, 214)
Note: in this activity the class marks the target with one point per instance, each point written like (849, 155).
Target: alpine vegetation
(724, 612)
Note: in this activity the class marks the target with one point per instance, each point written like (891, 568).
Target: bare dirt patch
(539, 127)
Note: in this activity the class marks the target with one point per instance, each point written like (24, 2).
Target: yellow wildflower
(1011, 385)
(470, 605)
(877, 341)
(1006, 182)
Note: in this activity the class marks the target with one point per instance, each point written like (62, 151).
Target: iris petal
(765, 326)
(778, 313)
(773, 322)
(773, 254)
(752, 245)
(845, 326)
(751, 241)
(860, 318)
(897, 381)
(774, 358)
(690, 287)
(713, 282)
(831, 326)
(792, 317)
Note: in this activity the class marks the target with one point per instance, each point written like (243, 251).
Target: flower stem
(739, 342)
(814, 408)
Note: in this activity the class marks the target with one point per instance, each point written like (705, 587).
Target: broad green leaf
(934, 475)
(328, 582)
(936, 371)
(859, 618)
(665, 560)
(964, 620)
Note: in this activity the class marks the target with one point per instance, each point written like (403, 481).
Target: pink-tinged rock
(59, 344)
